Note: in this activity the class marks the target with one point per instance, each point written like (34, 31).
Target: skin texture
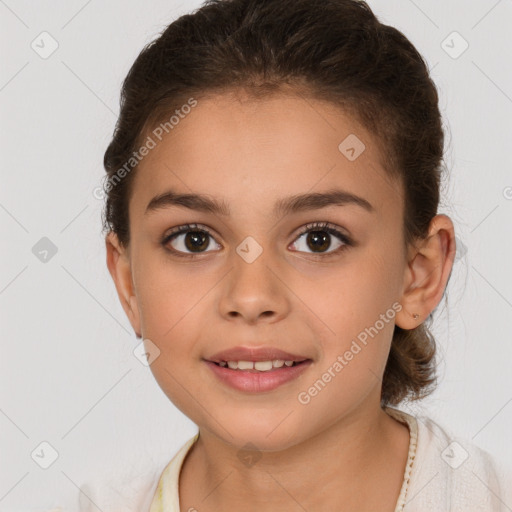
(340, 451)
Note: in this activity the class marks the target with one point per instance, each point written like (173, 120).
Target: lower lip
(255, 381)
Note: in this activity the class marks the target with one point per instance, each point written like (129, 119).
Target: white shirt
(443, 474)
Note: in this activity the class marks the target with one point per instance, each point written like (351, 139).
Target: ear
(428, 270)
(119, 266)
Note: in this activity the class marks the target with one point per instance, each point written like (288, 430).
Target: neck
(356, 463)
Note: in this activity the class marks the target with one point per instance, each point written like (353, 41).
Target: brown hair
(333, 50)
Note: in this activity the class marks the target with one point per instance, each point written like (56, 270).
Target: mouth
(258, 376)
(259, 366)
(261, 354)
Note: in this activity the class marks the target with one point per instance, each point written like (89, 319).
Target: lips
(253, 381)
(254, 354)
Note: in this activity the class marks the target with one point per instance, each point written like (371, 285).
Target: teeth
(262, 366)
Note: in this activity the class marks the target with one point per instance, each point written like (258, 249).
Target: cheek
(172, 302)
(354, 317)
(351, 299)
(168, 295)
(172, 325)
(351, 367)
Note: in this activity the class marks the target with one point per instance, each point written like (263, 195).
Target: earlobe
(428, 270)
(119, 266)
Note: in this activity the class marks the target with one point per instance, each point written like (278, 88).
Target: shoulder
(451, 473)
(166, 495)
(149, 490)
(127, 492)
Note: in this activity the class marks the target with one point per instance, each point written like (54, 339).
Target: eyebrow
(285, 206)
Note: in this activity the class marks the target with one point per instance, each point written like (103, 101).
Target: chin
(262, 435)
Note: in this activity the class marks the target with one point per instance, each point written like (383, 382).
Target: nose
(254, 292)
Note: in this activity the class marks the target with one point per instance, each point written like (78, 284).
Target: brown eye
(190, 240)
(321, 238)
(196, 240)
(319, 241)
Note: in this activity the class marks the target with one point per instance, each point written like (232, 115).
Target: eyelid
(188, 227)
(324, 225)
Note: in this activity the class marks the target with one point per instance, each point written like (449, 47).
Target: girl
(273, 236)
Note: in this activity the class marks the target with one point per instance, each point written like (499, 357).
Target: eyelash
(315, 226)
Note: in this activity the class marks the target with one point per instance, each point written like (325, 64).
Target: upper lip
(254, 354)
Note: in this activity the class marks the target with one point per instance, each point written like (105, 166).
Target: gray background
(67, 369)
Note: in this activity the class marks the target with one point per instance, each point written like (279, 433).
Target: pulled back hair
(333, 50)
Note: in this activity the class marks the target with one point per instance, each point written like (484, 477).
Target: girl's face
(258, 275)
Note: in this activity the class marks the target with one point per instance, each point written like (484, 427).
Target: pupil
(319, 240)
(196, 240)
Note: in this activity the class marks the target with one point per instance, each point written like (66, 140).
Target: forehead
(232, 146)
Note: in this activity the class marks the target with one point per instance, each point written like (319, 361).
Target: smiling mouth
(258, 376)
(258, 366)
